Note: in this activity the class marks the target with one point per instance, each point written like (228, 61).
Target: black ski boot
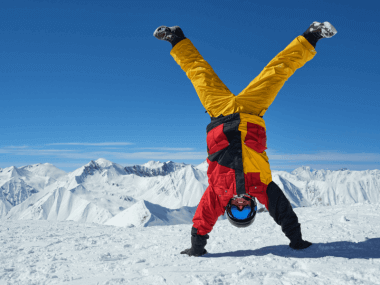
(317, 31)
(198, 244)
(300, 244)
(172, 35)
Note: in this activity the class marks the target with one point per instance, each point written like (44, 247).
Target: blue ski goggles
(241, 214)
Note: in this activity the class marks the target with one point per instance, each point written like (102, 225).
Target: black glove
(300, 244)
(198, 244)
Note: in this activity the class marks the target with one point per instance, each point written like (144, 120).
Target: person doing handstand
(238, 166)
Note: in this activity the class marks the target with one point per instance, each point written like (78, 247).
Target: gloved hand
(300, 244)
(193, 252)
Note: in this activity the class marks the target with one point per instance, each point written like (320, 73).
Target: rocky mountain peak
(154, 168)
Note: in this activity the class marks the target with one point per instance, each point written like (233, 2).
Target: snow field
(346, 250)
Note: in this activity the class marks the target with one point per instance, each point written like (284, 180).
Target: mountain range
(155, 193)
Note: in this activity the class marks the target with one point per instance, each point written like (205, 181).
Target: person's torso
(237, 160)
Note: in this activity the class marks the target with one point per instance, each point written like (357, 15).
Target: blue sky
(80, 80)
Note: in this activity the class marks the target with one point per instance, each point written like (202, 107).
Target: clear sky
(80, 80)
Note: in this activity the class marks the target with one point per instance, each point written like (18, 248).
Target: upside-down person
(239, 171)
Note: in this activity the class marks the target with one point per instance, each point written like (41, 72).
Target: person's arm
(282, 212)
(206, 215)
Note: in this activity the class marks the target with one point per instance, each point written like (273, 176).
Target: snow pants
(236, 136)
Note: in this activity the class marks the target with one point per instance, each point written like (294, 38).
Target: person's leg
(214, 95)
(260, 93)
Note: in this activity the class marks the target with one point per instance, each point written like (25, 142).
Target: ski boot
(172, 35)
(317, 31)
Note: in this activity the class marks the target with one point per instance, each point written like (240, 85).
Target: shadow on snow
(365, 250)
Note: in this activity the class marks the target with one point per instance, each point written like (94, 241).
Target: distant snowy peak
(81, 173)
(304, 187)
(17, 184)
(305, 173)
(203, 166)
(153, 164)
(99, 166)
(104, 163)
(40, 170)
(13, 171)
(44, 170)
(154, 168)
(169, 165)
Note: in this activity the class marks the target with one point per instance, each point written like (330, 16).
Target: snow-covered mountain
(305, 187)
(44, 170)
(18, 184)
(155, 193)
(101, 190)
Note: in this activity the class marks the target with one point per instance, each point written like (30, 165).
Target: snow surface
(346, 250)
(108, 224)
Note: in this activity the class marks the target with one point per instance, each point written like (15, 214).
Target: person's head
(241, 210)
